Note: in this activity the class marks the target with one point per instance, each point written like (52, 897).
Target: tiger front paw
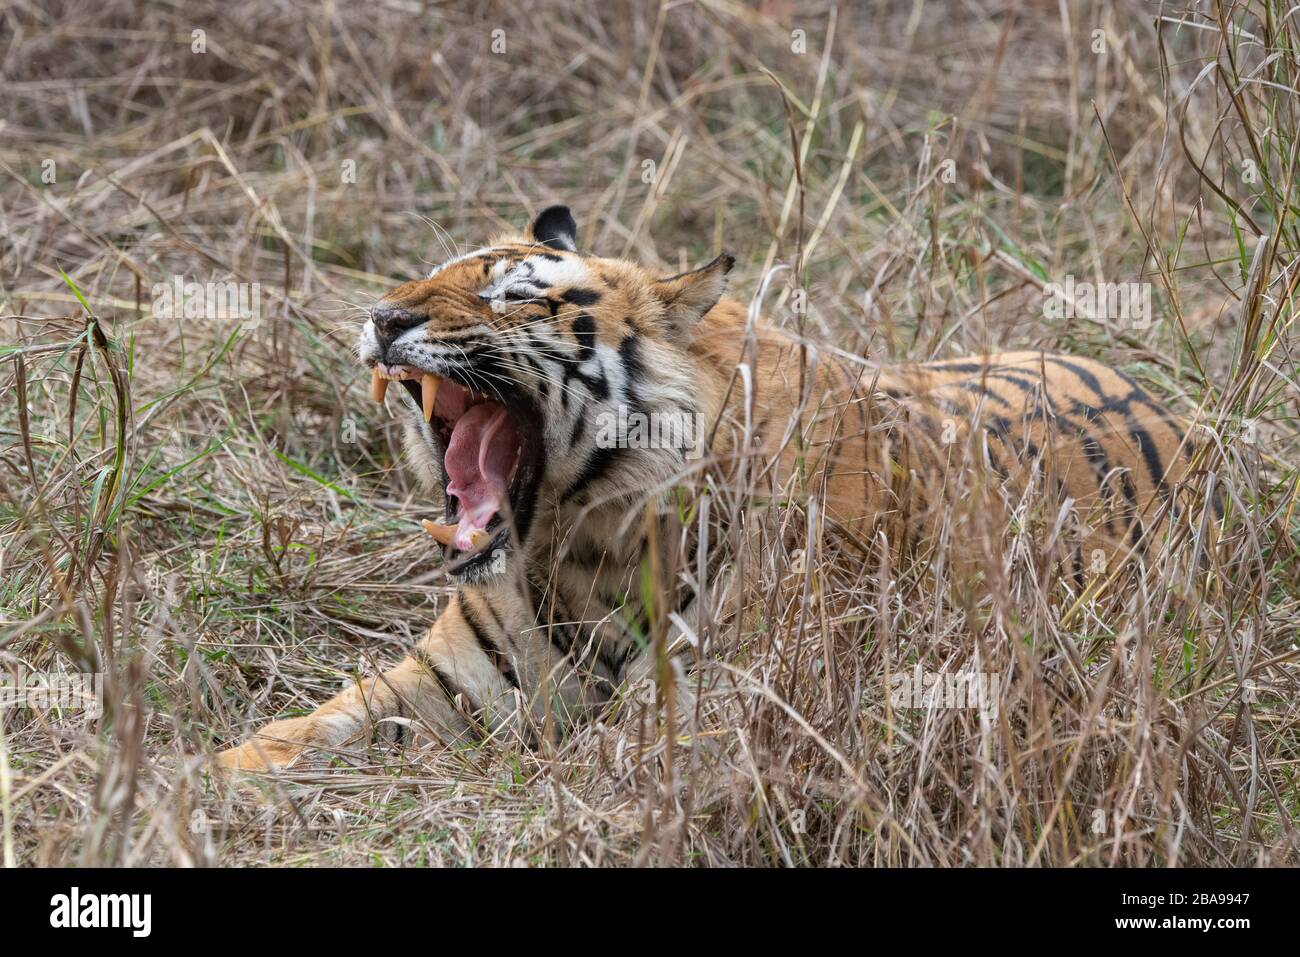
(276, 746)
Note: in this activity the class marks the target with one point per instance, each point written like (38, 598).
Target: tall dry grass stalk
(210, 513)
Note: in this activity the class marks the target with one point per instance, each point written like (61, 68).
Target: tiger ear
(688, 296)
(555, 227)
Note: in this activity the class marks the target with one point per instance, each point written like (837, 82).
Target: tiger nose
(391, 321)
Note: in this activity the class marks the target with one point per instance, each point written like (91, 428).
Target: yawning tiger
(530, 364)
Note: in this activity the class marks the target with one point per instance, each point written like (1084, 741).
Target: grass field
(211, 513)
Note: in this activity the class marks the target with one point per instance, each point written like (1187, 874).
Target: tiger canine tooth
(378, 385)
(442, 534)
(428, 393)
(446, 534)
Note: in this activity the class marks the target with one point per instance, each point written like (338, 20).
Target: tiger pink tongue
(479, 458)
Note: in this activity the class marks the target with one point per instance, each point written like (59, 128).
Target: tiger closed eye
(499, 302)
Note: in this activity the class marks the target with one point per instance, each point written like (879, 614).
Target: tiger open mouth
(489, 449)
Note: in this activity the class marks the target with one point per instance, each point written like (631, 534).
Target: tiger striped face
(518, 359)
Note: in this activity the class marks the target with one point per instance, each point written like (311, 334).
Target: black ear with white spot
(555, 227)
(686, 298)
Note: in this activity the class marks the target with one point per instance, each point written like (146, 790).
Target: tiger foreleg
(348, 718)
(446, 684)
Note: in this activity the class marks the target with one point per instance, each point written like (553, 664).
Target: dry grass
(216, 519)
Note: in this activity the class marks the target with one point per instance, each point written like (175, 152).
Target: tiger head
(525, 361)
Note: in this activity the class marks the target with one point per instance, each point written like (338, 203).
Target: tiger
(524, 366)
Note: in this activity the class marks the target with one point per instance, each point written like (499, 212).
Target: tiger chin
(520, 364)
